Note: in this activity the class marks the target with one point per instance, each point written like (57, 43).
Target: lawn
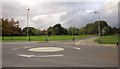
(108, 39)
(43, 38)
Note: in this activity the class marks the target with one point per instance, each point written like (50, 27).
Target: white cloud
(43, 15)
(89, 11)
(28, 2)
(47, 20)
(63, 0)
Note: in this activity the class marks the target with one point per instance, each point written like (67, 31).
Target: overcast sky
(45, 14)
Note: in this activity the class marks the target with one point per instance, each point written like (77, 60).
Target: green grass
(108, 39)
(43, 38)
(104, 39)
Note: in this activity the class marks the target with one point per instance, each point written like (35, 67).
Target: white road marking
(26, 47)
(17, 48)
(46, 49)
(77, 48)
(29, 56)
(50, 55)
(73, 47)
(21, 48)
(26, 56)
(14, 49)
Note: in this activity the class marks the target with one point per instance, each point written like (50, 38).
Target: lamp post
(27, 23)
(98, 26)
(36, 33)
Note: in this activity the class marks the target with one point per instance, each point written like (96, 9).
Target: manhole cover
(46, 49)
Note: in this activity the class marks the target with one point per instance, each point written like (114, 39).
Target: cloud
(61, 0)
(45, 14)
(109, 12)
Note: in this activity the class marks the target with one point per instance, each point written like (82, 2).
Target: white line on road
(26, 47)
(46, 49)
(21, 48)
(14, 49)
(77, 48)
(26, 56)
(29, 56)
(50, 55)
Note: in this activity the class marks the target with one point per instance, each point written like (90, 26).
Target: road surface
(17, 54)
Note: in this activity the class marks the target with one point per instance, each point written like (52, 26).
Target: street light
(98, 25)
(27, 22)
(36, 33)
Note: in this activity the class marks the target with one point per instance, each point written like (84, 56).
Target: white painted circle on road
(46, 49)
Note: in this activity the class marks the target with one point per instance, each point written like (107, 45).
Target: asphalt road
(71, 56)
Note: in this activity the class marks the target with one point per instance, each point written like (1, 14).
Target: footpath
(91, 42)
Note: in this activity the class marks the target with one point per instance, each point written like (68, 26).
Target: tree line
(91, 29)
(11, 28)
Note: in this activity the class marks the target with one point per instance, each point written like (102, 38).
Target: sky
(76, 13)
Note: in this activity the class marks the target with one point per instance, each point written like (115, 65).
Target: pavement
(91, 42)
(17, 54)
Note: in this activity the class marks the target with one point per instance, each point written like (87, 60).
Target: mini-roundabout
(40, 52)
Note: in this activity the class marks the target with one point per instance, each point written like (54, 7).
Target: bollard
(29, 39)
(100, 41)
(117, 43)
(46, 40)
(73, 39)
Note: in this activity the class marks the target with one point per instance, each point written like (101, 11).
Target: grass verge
(108, 39)
(43, 38)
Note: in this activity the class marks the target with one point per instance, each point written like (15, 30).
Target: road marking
(17, 48)
(30, 56)
(26, 56)
(26, 47)
(14, 49)
(21, 48)
(50, 55)
(77, 48)
(46, 49)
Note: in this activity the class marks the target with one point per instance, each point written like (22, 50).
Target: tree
(65, 31)
(82, 30)
(56, 30)
(73, 31)
(101, 25)
(49, 30)
(114, 30)
(91, 28)
(107, 30)
(6, 27)
(10, 27)
(31, 31)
